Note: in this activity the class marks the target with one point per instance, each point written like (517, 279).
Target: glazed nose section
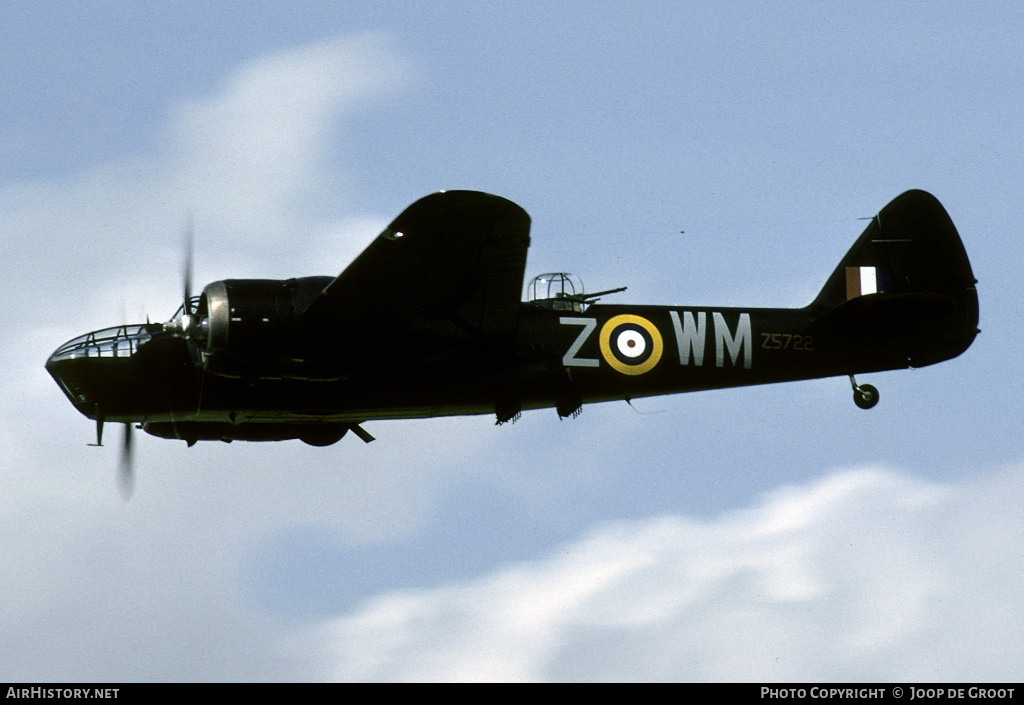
(76, 367)
(71, 374)
(87, 366)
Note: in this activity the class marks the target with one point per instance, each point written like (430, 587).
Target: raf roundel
(631, 344)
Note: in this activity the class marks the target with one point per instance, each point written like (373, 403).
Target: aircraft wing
(451, 266)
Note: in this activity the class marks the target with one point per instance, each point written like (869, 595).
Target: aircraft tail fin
(906, 285)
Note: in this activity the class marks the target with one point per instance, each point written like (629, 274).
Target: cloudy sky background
(763, 533)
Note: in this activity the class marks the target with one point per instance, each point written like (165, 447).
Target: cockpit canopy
(558, 291)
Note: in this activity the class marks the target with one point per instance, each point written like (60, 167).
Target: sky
(698, 153)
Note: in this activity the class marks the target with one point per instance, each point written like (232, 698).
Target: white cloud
(93, 590)
(251, 154)
(247, 165)
(864, 575)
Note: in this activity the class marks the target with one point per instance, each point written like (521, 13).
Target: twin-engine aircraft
(428, 321)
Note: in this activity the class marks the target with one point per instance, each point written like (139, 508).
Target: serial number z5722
(787, 341)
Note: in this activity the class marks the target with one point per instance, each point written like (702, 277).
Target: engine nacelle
(250, 327)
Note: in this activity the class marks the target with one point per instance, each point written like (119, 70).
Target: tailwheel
(865, 396)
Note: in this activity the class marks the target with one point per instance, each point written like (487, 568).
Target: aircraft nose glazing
(121, 341)
(80, 364)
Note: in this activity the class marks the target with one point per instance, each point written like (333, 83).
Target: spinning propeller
(126, 465)
(187, 267)
(126, 469)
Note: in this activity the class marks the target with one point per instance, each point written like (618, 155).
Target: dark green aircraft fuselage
(904, 296)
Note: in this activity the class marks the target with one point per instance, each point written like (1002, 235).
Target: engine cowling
(251, 327)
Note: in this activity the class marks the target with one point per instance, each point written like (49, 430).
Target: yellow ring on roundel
(606, 350)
